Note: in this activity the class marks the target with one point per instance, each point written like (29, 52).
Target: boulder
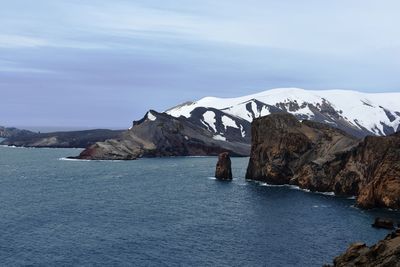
(223, 170)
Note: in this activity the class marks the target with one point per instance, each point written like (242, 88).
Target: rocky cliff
(321, 158)
(385, 253)
(159, 134)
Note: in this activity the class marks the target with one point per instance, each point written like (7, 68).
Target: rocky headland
(159, 135)
(321, 158)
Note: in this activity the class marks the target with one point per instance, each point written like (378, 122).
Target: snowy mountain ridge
(357, 113)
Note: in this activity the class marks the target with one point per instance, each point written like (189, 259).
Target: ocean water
(164, 212)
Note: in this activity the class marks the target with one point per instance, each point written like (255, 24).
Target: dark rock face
(79, 139)
(383, 223)
(285, 151)
(377, 160)
(158, 135)
(321, 158)
(223, 170)
(385, 253)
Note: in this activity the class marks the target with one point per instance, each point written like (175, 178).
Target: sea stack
(223, 170)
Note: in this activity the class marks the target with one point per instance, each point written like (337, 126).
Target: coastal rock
(223, 170)
(385, 253)
(160, 135)
(285, 151)
(379, 161)
(383, 223)
(321, 158)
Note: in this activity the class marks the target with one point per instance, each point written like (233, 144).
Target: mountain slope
(6, 132)
(76, 139)
(359, 114)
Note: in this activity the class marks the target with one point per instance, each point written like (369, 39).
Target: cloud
(119, 58)
(20, 41)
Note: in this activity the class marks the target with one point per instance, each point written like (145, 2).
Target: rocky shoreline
(384, 253)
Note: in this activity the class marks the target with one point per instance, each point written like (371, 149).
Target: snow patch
(219, 137)
(151, 117)
(209, 118)
(242, 131)
(226, 121)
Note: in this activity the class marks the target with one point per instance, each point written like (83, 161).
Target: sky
(101, 63)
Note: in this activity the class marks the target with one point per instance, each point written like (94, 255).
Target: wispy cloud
(20, 41)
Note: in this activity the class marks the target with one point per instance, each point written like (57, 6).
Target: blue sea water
(164, 212)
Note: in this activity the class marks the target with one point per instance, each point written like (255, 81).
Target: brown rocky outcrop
(385, 253)
(321, 158)
(223, 170)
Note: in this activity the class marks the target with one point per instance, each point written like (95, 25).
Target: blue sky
(103, 63)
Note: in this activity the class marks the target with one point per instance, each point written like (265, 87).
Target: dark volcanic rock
(383, 223)
(223, 170)
(385, 253)
(321, 158)
(158, 135)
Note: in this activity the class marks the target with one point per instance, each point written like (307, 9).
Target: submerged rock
(223, 170)
(383, 223)
(321, 158)
(385, 253)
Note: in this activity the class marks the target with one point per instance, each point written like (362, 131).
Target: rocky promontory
(384, 253)
(159, 135)
(318, 157)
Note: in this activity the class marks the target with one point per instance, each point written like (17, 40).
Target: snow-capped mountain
(357, 113)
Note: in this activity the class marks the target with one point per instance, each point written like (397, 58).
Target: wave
(69, 159)
(31, 147)
(8, 146)
(294, 187)
(89, 160)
